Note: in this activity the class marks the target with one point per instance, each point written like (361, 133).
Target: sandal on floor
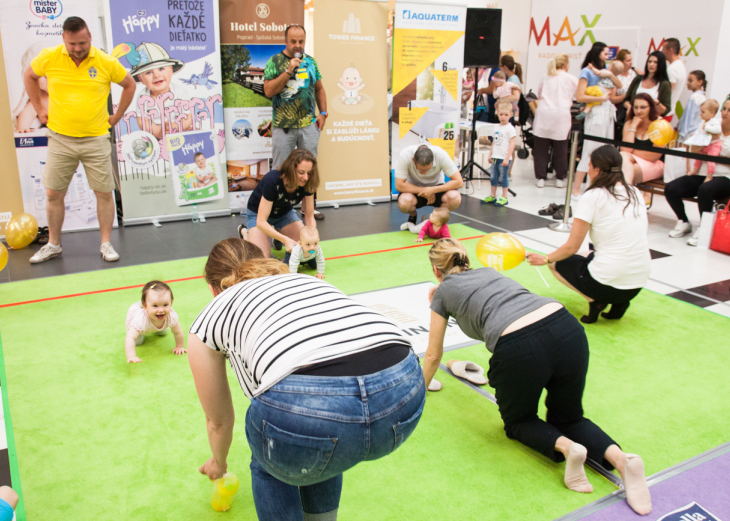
(549, 209)
(468, 371)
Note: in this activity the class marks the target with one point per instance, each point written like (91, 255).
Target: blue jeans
(500, 177)
(305, 431)
(277, 222)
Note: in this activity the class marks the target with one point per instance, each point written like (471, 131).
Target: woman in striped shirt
(331, 382)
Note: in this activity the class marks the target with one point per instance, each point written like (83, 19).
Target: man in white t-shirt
(677, 73)
(419, 177)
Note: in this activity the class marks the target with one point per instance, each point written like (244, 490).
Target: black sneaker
(241, 227)
(278, 245)
(560, 214)
(549, 209)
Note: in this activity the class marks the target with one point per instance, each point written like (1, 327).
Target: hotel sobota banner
(428, 57)
(170, 142)
(350, 41)
(27, 28)
(252, 31)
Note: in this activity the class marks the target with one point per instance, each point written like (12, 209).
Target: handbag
(707, 227)
(721, 236)
(674, 166)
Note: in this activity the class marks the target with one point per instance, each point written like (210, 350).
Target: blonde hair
(499, 75)
(442, 214)
(616, 67)
(309, 231)
(449, 256)
(712, 104)
(234, 260)
(558, 62)
(504, 105)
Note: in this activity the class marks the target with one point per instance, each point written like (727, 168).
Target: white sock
(56, 246)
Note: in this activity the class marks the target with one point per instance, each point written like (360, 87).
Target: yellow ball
(500, 251)
(3, 256)
(21, 230)
(660, 132)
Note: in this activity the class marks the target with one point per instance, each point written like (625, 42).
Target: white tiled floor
(686, 267)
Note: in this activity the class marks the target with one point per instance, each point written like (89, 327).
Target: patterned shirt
(294, 106)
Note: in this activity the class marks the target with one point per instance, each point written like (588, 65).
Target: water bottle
(196, 217)
(224, 489)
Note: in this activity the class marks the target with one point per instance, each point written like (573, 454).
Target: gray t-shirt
(484, 303)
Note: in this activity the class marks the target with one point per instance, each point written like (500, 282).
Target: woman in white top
(613, 213)
(331, 382)
(553, 121)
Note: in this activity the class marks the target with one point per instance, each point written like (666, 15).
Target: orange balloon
(660, 132)
(21, 230)
(3, 256)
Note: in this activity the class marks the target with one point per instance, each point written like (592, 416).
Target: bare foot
(575, 473)
(637, 491)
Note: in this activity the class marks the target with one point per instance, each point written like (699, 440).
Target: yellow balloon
(3, 256)
(500, 251)
(21, 230)
(660, 132)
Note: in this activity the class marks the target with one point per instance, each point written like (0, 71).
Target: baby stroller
(526, 117)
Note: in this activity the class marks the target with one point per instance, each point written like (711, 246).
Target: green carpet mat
(98, 438)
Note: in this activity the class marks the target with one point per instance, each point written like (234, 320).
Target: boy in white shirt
(204, 174)
(308, 251)
(503, 145)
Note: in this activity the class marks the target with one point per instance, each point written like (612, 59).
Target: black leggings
(541, 152)
(694, 186)
(550, 354)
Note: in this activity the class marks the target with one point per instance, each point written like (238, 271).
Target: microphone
(297, 55)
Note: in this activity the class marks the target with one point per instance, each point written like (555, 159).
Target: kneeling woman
(331, 382)
(613, 213)
(536, 345)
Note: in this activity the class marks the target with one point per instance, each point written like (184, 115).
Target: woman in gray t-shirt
(536, 344)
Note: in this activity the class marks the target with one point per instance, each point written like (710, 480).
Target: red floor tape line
(201, 276)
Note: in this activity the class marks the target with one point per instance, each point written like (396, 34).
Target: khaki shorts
(64, 155)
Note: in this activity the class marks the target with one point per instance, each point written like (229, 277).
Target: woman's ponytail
(449, 256)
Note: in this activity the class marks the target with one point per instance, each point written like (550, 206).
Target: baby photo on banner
(27, 28)
(196, 174)
(171, 51)
(428, 57)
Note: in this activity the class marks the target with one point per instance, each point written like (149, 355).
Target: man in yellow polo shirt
(79, 78)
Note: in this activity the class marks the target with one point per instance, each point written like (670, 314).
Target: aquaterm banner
(170, 47)
(428, 56)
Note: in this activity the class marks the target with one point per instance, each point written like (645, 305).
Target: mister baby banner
(572, 26)
(352, 55)
(27, 28)
(428, 56)
(170, 48)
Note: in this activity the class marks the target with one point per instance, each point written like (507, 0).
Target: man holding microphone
(293, 82)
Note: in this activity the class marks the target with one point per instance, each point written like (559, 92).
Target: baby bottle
(224, 489)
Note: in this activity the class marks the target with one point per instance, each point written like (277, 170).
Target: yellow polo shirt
(77, 96)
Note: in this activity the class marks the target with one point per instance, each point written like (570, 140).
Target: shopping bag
(707, 227)
(674, 166)
(721, 235)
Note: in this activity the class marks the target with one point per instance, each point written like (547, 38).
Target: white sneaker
(47, 252)
(435, 385)
(560, 183)
(681, 229)
(540, 183)
(692, 241)
(108, 253)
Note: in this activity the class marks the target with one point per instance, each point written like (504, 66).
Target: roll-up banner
(252, 31)
(428, 57)
(350, 39)
(170, 142)
(27, 28)
(566, 26)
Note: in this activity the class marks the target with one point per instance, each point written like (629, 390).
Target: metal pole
(565, 225)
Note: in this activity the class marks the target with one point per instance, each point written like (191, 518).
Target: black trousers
(694, 186)
(550, 354)
(541, 153)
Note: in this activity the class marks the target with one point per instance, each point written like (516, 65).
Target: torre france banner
(170, 141)
(350, 42)
(428, 56)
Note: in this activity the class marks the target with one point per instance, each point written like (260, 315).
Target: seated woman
(270, 212)
(612, 212)
(639, 165)
(707, 189)
(536, 345)
(331, 382)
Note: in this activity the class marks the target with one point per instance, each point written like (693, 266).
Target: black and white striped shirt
(270, 327)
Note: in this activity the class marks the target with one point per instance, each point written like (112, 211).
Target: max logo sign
(565, 33)
(691, 47)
